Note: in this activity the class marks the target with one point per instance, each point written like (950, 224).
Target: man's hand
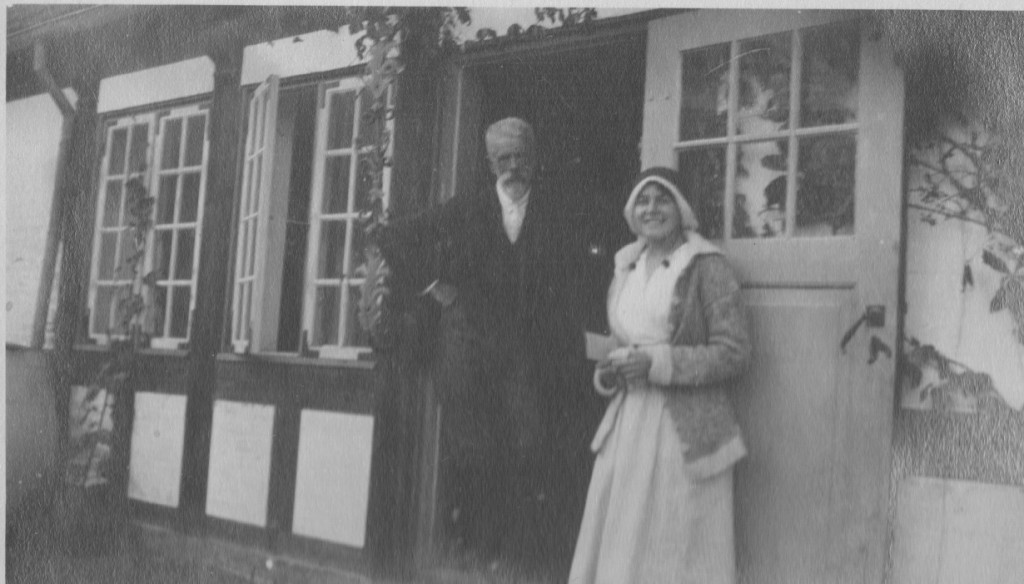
(443, 293)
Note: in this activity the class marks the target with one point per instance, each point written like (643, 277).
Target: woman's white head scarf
(670, 181)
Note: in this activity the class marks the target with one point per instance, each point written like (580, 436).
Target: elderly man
(500, 261)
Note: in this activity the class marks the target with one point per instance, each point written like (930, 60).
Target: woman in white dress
(660, 503)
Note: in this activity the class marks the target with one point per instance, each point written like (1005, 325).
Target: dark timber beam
(75, 219)
(226, 121)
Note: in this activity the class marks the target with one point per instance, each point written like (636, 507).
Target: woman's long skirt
(646, 521)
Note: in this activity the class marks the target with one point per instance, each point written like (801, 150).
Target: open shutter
(333, 226)
(261, 229)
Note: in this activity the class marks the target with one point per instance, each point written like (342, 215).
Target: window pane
(243, 259)
(339, 133)
(112, 204)
(183, 259)
(261, 109)
(325, 319)
(246, 323)
(332, 248)
(128, 256)
(172, 144)
(196, 134)
(703, 173)
(255, 180)
(828, 90)
(140, 140)
(162, 253)
(118, 142)
(825, 195)
(104, 308)
(364, 182)
(357, 266)
(247, 200)
(370, 122)
(181, 297)
(165, 199)
(764, 84)
(108, 255)
(336, 184)
(189, 198)
(705, 95)
(251, 248)
(159, 310)
(355, 336)
(241, 291)
(759, 207)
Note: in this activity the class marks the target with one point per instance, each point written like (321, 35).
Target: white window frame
(747, 27)
(350, 217)
(155, 122)
(177, 226)
(261, 224)
(120, 229)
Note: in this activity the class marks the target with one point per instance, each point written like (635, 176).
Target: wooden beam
(226, 122)
(76, 213)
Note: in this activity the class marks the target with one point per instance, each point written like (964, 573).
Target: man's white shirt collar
(512, 212)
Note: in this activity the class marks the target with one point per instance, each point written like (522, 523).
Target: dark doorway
(586, 107)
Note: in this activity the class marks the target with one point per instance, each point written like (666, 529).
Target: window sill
(101, 348)
(293, 359)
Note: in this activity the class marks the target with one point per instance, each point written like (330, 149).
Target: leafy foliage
(92, 440)
(944, 381)
(975, 178)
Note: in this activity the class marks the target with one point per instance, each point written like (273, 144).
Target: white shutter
(261, 230)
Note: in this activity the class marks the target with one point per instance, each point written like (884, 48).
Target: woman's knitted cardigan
(698, 368)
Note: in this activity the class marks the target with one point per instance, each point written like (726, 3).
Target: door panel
(791, 147)
(787, 410)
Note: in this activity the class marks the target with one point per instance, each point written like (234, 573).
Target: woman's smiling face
(656, 213)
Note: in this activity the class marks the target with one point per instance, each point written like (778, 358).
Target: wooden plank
(226, 113)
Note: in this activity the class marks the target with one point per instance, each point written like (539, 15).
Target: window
(163, 154)
(768, 132)
(305, 185)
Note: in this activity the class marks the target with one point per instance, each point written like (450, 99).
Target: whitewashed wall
(33, 127)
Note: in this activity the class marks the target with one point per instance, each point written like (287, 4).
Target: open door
(788, 128)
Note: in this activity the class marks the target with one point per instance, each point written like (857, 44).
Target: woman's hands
(623, 366)
(634, 366)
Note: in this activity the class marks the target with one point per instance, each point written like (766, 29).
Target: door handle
(873, 317)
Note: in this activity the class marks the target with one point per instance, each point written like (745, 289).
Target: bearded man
(501, 262)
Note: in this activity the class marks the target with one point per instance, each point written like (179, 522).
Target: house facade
(267, 427)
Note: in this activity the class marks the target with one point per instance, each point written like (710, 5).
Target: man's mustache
(512, 176)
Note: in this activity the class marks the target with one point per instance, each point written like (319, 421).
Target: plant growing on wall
(966, 177)
(97, 452)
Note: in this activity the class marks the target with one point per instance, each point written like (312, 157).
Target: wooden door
(787, 128)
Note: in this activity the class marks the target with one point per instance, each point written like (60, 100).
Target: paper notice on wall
(332, 484)
(158, 442)
(240, 446)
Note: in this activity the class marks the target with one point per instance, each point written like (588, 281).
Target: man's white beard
(513, 185)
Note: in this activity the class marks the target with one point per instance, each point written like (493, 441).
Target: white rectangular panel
(158, 442)
(332, 485)
(239, 480)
